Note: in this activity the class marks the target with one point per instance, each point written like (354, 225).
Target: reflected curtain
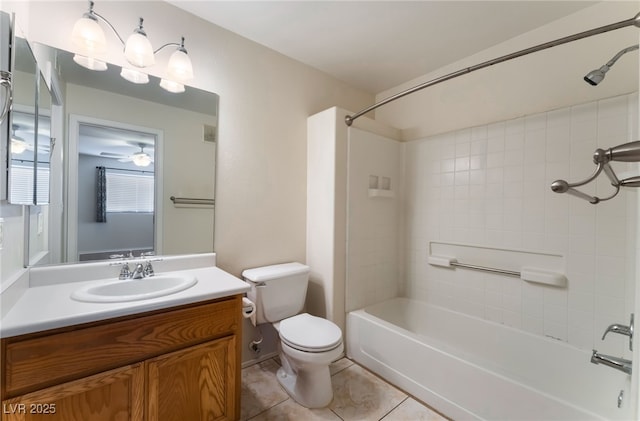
(101, 195)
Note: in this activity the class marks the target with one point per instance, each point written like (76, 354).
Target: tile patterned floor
(357, 395)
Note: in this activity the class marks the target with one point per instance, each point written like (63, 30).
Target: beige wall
(539, 82)
(265, 99)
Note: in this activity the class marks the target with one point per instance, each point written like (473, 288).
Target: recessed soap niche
(380, 186)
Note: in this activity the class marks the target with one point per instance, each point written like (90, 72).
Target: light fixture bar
(89, 37)
(92, 12)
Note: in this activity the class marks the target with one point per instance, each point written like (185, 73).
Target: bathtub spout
(613, 362)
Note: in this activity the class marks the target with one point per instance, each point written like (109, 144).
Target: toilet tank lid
(266, 273)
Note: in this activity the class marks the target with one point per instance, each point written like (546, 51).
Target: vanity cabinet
(113, 395)
(177, 364)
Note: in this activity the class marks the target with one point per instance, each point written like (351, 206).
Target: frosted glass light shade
(171, 86)
(134, 76)
(90, 63)
(88, 36)
(180, 67)
(141, 159)
(138, 50)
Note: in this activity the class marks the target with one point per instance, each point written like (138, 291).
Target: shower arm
(634, 21)
(620, 54)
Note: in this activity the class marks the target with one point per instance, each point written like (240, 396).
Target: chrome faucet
(138, 272)
(148, 269)
(613, 362)
(622, 330)
(141, 270)
(125, 272)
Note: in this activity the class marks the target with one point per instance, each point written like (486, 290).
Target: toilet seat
(308, 333)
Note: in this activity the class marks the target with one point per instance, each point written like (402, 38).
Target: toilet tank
(279, 291)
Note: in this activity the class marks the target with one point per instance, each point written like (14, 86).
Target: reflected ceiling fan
(19, 144)
(140, 159)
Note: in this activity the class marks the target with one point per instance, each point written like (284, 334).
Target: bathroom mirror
(109, 120)
(43, 144)
(22, 127)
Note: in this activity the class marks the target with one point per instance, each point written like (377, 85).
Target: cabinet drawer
(31, 364)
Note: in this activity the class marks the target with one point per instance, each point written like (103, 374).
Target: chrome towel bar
(487, 269)
(192, 201)
(528, 274)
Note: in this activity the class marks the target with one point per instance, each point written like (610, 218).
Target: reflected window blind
(129, 192)
(22, 183)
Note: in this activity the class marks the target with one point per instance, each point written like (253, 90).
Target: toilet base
(309, 389)
(306, 377)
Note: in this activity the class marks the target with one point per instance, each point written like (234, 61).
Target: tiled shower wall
(489, 186)
(373, 249)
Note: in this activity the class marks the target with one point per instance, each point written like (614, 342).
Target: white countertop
(44, 307)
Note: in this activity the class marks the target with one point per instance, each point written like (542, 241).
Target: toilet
(308, 343)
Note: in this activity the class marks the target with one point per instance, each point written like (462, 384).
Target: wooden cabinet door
(115, 395)
(195, 384)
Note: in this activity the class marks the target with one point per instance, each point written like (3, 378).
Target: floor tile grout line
(334, 413)
(341, 370)
(268, 409)
(350, 365)
(395, 407)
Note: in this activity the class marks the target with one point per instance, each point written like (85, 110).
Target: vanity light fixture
(138, 50)
(90, 63)
(89, 37)
(134, 76)
(171, 86)
(180, 68)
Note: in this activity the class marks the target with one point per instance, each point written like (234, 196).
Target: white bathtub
(469, 368)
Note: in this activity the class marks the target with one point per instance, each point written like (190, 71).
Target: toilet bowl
(308, 344)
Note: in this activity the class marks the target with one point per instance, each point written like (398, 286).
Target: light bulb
(171, 86)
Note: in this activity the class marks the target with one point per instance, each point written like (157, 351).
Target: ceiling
(376, 45)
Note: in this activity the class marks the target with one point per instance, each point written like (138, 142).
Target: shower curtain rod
(596, 31)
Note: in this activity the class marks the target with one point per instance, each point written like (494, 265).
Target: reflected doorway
(116, 191)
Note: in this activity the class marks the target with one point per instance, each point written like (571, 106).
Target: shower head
(595, 76)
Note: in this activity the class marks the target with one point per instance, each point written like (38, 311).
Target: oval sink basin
(134, 289)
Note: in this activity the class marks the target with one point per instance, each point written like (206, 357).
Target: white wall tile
(494, 191)
(489, 186)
